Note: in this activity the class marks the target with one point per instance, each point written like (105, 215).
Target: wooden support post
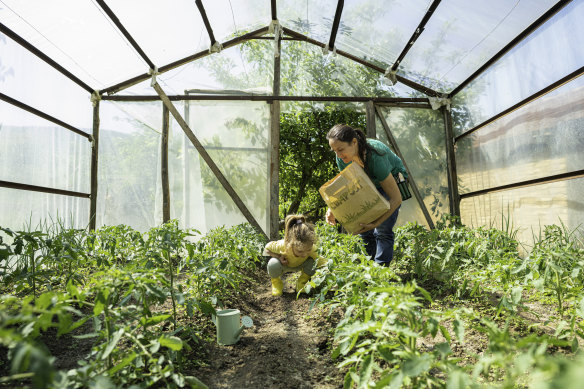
(186, 172)
(410, 177)
(370, 117)
(274, 152)
(164, 165)
(453, 196)
(94, 158)
(207, 158)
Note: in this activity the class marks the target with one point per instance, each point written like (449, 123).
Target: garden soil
(289, 346)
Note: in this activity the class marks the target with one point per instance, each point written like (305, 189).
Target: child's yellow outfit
(303, 264)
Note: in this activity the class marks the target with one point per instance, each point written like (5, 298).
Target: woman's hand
(330, 218)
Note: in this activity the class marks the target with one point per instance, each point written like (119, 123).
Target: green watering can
(229, 325)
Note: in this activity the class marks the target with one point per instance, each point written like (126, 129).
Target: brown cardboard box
(353, 199)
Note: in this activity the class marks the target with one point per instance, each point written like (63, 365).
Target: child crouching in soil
(296, 252)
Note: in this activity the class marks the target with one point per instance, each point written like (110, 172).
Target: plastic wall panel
(42, 154)
(543, 138)
(552, 52)
(235, 134)
(313, 18)
(378, 30)
(166, 32)
(77, 35)
(305, 71)
(25, 210)
(227, 18)
(129, 165)
(186, 189)
(528, 209)
(461, 35)
(419, 134)
(234, 68)
(26, 78)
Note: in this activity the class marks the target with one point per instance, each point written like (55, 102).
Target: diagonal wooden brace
(207, 158)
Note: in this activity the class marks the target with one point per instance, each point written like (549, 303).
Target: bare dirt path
(288, 346)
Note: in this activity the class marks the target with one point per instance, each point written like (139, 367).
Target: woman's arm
(389, 186)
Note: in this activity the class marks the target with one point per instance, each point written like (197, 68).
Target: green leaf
(123, 363)
(444, 332)
(459, 330)
(443, 349)
(385, 380)
(415, 366)
(171, 342)
(101, 382)
(366, 370)
(72, 290)
(150, 321)
(112, 343)
(348, 382)
(195, 383)
(100, 301)
(516, 294)
(45, 300)
(458, 380)
(397, 381)
(65, 321)
(205, 307)
(580, 308)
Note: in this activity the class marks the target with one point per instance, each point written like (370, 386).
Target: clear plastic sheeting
(305, 71)
(248, 67)
(313, 18)
(379, 30)
(461, 35)
(527, 210)
(129, 164)
(28, 79)
(77, 35)
(419, 134)
(235, 134)
(543, 138)
(230, 18)
(43, 154)
(166, 31)
(550, 53)
(31, 211)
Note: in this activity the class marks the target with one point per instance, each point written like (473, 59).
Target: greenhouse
(149, 151)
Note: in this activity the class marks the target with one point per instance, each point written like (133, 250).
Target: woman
(380, 164)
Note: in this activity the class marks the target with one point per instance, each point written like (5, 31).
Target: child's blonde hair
(297, 232)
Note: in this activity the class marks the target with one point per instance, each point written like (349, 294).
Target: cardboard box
(353, 199)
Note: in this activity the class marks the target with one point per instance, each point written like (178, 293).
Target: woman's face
(345, 150)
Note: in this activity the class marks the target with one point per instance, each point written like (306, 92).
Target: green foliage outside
(306, 160)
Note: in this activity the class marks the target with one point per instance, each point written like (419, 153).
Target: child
(296, 252)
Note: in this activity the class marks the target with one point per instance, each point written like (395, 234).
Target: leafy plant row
(387, 321)
(120, 290)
